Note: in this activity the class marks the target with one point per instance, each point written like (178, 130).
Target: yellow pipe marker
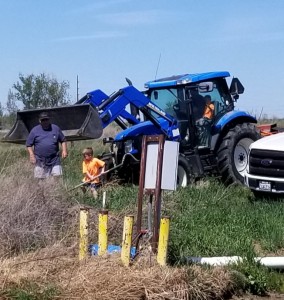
(83, 243)
(103, 220)
(127, 240)
(163, 241)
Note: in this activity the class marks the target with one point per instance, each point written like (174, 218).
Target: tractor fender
(228, 121)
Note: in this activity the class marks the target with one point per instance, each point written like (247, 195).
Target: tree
(1, 115)
(11, 105)
(11, 108)
(1, 110)
(40, 91)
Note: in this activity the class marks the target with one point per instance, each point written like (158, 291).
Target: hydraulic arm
(113, 108)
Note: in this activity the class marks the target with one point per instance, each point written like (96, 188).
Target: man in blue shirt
(43, 147)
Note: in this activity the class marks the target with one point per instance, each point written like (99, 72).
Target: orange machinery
(269, 129)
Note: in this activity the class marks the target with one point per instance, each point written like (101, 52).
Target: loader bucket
(77, 122)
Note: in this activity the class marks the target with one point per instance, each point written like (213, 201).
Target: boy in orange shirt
(92, 167)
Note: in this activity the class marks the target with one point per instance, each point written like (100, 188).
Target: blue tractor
(195, 109)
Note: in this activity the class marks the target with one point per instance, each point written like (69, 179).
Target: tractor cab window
(171, 101)
(208, 104)
(166, 99)
(218, 101)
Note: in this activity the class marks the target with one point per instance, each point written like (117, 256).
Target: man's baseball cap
(44, 115)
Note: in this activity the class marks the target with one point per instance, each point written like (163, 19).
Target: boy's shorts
(92, 185)
(46, 171)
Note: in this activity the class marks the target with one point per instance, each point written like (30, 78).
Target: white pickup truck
(265, 170)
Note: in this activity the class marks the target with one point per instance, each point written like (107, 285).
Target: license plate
(265, 185)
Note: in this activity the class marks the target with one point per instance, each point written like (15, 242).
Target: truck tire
(183, 172)
(232, 154)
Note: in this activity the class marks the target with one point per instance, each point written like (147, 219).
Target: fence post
(83, 243)
(127, 239)
(102, 243)
(163, 241)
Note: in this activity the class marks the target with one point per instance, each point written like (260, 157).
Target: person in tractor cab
(209, 108)
(92, 168)
(203, 124)
(43, 148)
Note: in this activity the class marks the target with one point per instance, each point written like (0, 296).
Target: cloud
(123, 15)
(146, 17)
(99, 35)
(94, 7)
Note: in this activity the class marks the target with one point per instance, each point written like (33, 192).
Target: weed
(27, 290)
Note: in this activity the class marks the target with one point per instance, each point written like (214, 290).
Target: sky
(104, 41)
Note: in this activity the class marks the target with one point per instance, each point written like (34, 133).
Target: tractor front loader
(78, 122)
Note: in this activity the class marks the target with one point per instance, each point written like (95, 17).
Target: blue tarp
(111, 249)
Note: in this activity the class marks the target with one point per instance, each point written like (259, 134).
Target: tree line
(31, 92)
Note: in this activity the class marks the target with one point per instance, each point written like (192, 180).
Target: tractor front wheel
(183, 172)
(233, 152)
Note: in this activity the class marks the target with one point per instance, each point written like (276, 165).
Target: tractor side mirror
(205, 87)
(156, 95)
(176, 107)
(236, 88)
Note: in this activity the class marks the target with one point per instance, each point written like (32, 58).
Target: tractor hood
(273, 142)
(143, 128)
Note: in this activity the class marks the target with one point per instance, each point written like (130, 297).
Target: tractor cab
(197, 105)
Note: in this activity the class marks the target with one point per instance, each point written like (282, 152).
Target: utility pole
(77, 88)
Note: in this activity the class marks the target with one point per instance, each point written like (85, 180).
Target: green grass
(217, 221)
(212, 220)
(27, 290)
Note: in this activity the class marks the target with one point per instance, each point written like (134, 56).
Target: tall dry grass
(33, 214)
(106, 278)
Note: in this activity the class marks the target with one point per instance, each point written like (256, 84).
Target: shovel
(107, 171)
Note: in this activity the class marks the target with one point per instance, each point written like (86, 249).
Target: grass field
(208, 219)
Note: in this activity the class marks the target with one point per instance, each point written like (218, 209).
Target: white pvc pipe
(104, 199)
(273, 262)
(215, 261)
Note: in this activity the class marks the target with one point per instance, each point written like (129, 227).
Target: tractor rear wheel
(233, 152)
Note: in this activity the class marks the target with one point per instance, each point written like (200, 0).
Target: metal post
(163, 241)
(157, 210)
(102, 243)
(126, 240)
(141, 185)
(150, 202)
(83, 243)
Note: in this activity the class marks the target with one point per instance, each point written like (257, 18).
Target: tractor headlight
(128, 146)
